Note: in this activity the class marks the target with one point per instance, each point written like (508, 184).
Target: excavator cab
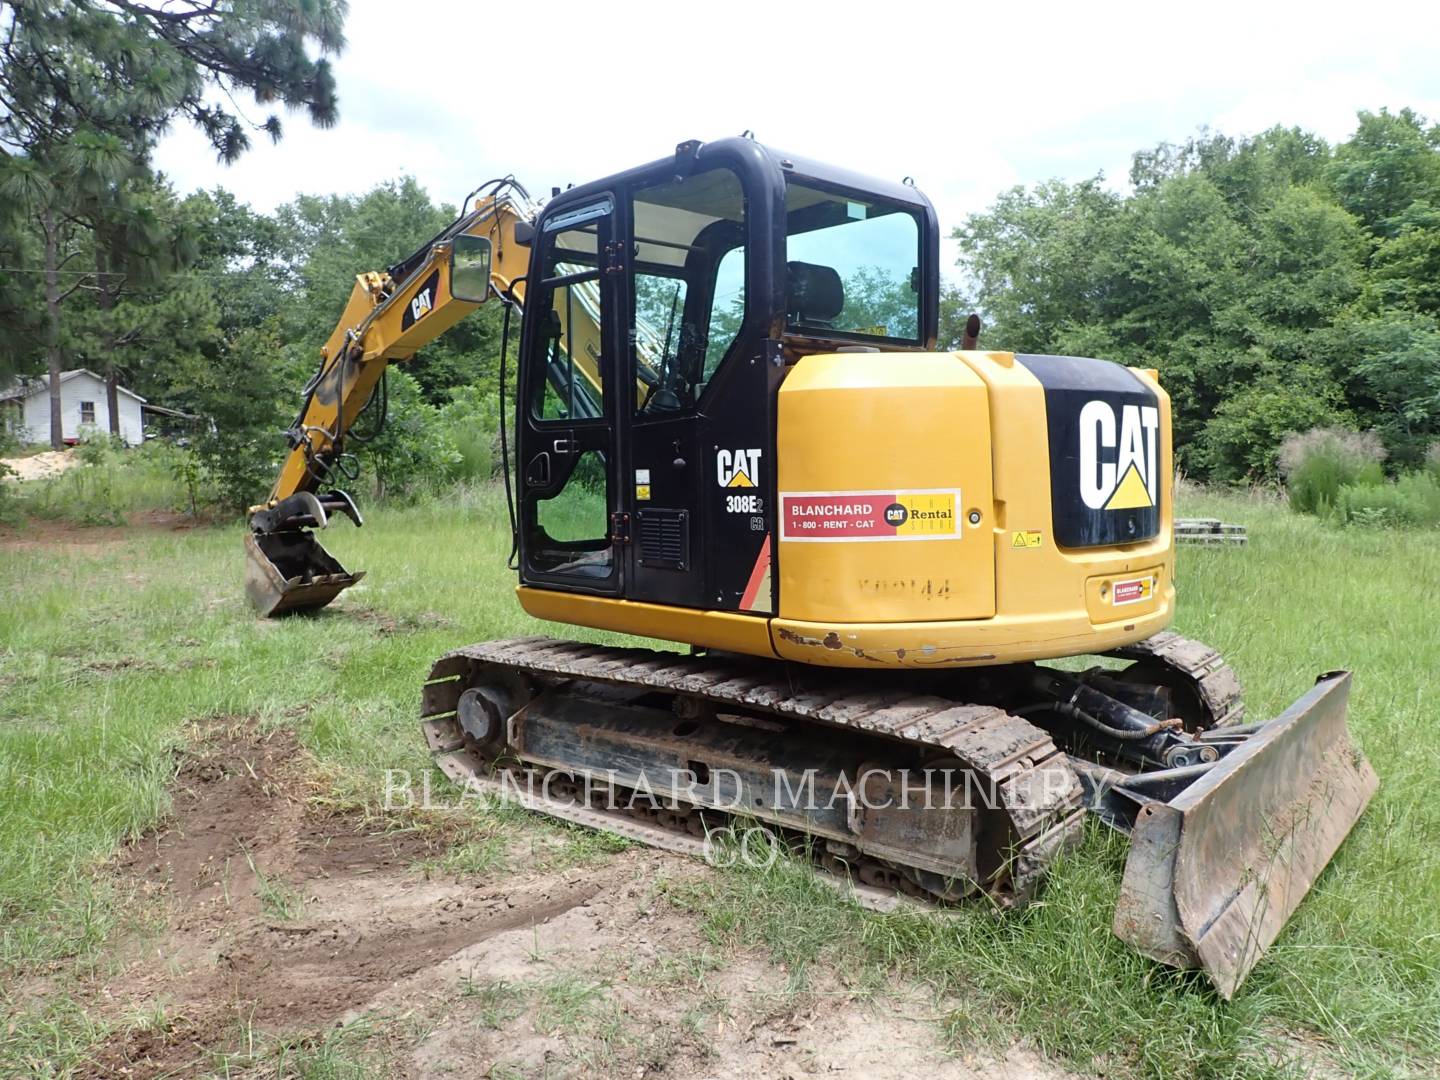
(663, 307)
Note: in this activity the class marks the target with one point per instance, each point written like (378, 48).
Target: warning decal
(1133, 591)
(931, 514)
(1026, 538)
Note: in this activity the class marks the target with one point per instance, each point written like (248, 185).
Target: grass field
(113, 642)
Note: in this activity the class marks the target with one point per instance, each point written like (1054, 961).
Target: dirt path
(39, 534)
(282, 921)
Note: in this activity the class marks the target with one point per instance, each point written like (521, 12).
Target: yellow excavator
(732, 430)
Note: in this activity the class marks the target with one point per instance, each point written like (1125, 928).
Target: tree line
(1277, 283)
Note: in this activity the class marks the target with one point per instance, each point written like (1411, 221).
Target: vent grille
(664, 538)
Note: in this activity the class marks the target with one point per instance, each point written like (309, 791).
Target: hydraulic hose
(1118, 734)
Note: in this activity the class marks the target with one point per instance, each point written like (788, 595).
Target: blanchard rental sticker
(1133, 591)
(928, 514)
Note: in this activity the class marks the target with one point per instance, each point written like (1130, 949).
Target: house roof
(41, 385)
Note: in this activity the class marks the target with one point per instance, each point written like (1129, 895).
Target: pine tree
(86, 88)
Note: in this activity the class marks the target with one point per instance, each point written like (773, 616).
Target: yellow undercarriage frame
(973, 577)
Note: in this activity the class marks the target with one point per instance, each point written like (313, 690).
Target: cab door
(568, 454)
(685, 305)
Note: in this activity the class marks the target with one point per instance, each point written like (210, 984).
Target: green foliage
(471, 422)
(1241, 441)
(129, 69)
(873, 297)
(1387, 166)
(321, 243)
(1317, 464)
(414, 453)
(1411, 499)
(245, 394)
(1335, 473)
(112, 484)
(8, 445)
(1275, 282)
(99, 448)
(1407, 265)
(1398, 369)
(87, 90)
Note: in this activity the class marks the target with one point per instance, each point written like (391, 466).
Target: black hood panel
(1105, 451)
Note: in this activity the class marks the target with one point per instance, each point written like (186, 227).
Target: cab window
(569, 303)
(688, 295)
(852, 266)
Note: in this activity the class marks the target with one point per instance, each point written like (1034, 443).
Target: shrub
(111, 484)
(1432, 460)
(9, 443)
(246, 394)
(471, 421)
(99, 448)
(9, 504)
(1319, 462)
(414, 453)
(1411, 500)
(1240, 440)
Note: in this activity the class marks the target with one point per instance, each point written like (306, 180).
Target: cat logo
(1119, 475)
(737, 468)
(422, 303)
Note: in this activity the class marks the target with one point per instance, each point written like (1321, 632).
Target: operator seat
(814, 294)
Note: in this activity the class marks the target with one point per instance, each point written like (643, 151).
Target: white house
(83, 404)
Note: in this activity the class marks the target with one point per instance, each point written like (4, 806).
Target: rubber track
(1038, 789)
(1216, 681)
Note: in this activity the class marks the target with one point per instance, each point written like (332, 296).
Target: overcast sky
(968, 99)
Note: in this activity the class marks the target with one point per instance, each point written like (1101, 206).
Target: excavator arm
(390, 315)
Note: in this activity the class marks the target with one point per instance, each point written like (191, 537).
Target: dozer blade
(1214, 874)
(289, 571)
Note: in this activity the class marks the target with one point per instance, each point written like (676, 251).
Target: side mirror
(470, 268)
(524, 233)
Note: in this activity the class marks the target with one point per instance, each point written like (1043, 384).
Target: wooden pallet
(1208, 531)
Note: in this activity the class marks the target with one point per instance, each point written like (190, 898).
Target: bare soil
(283, 920)
(65, 536)
(43, 465)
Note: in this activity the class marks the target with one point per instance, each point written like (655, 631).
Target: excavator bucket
(1215, 872)
(290, 571)
(286, 569)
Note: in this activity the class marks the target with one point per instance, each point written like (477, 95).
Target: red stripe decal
(757, 575)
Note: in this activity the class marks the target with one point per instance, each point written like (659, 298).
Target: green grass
(112, 483)
(108, 654)
(341, 1053)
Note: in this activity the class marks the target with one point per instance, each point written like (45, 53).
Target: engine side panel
(1051, 599)
(884, 490)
